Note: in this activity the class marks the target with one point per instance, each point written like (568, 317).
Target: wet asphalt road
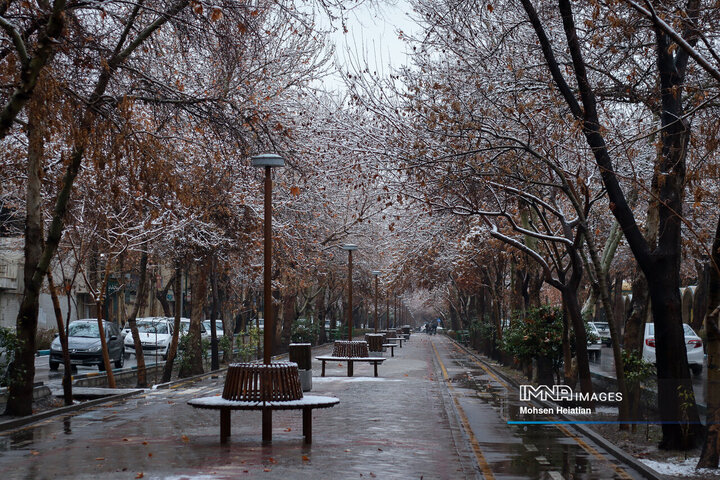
(434, 412)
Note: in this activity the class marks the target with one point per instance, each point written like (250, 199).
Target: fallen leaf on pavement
(288, 429)
(35, 452)
(100, 458)
(144, 443)
(140, 475)
(185, 438)
(267, 470)
(305, 458)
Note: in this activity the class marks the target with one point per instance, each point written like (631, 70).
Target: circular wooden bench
(265, 387)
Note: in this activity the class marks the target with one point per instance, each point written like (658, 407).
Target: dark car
(85, 347)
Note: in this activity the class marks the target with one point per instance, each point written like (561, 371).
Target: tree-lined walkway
(435, 412)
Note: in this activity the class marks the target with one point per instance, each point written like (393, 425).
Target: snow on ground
(678, 467)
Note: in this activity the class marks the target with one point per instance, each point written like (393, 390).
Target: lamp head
(267, 160)
(349, 247)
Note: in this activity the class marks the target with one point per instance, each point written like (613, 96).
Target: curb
(610, 447)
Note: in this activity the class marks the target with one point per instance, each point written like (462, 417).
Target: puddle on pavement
(523, 451)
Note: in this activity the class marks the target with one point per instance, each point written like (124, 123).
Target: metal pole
(387, 312)
(269, 328)
(376, 298)
(395, 310)
(350, 296)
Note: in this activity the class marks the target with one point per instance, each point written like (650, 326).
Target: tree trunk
(100, 302)
(573, 309)
(288, 317)
(139, 300)
(172, 349)
(534, 287)
(677, 406)
(569, 372)
(619, 307)
(62, 334)
(321, 314)
(22, 369)
(602, 288)
(710, 454)
(192, 364)
(214, 361)
(161, 296)
(700, 299)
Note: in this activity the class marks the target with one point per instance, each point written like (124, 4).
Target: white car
(219, 333)
(185, 327)
(693, 346)
(594, 343)
(604, 331)
(155, 336)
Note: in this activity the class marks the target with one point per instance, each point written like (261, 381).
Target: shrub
(538, 335)
(8, 344)
(636, 369)
(304, 331)
(247, 350)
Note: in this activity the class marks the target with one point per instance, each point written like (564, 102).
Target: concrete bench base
(350, 360)
(306, 404)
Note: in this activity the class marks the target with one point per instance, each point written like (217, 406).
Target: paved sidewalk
(396, 426)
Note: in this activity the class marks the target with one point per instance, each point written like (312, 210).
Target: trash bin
(375, 343)
(300, 353)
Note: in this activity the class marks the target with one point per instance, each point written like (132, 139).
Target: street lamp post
(395, 311)
(268, 161)
(350, 248)
(376, 273)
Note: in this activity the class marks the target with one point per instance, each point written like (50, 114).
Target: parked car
(185, 327)
(126, 329)
(155, 336)
(219, 332)
(693, 346)
(594, 344)
(604, 331)
(85, 346)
